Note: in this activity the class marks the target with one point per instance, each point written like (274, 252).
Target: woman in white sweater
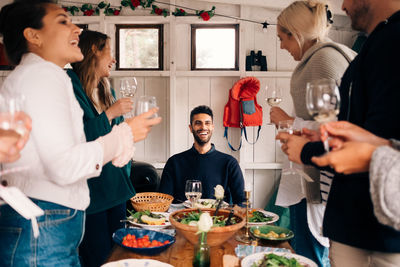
(302, 29)
(40, 39)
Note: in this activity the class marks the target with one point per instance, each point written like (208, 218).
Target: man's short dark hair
(201, 109)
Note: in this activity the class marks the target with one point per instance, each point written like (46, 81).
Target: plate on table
(118, 237)
(253, 259)
(150, 226)
(205, 203)
(137, 263)
(271, 232)
(269, 217)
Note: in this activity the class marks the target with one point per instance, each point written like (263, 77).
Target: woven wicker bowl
(216, 236)
(151, 201)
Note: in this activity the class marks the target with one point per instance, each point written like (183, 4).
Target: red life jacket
(242, 109)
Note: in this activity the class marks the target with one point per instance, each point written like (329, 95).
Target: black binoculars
(256, 62)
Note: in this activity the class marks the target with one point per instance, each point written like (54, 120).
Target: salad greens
(194, 216)
(258, 216)
(273, 260)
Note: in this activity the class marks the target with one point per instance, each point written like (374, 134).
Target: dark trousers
(97, 241)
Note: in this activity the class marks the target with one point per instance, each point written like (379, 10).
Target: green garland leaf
(88, 9)
(102, 5)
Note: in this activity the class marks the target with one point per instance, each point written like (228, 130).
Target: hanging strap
(258, 135)
(229, 144)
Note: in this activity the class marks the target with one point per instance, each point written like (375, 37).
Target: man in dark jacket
(203, 162)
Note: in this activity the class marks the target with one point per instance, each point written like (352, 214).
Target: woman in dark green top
(108, 194)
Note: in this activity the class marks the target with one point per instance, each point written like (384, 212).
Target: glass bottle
(202, 252)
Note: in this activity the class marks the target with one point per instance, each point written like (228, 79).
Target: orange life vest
(242, 109)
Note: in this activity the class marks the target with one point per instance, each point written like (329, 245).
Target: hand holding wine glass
(121, 107)
(141, 124)
(193, 191)
(15, 127)
(323, 102)
(287, 127)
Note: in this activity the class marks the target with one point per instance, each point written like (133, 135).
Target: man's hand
(141, 124)
(292, 145)
(277, 114)
(344, 160)
(119, 108)
(311, 135)
(347, 131)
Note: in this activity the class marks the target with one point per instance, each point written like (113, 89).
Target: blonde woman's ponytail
(306, 20)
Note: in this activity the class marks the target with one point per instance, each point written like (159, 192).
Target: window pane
(139, 48)
(215, 48)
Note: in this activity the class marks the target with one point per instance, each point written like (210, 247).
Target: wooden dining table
(180, 254)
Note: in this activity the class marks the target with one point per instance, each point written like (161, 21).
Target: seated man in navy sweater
(203, 162)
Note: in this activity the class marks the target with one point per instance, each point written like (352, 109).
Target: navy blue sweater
(211, 169)
(370, 93)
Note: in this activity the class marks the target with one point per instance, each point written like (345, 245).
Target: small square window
(215, 47)
(139, 47)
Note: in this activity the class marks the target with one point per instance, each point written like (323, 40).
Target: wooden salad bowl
(216, 236)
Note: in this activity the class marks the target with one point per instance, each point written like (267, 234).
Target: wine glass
(273, 96)
(128, 88)
(323, 102)
(10, 105)
(287, 127)
(193, 191)
(144, 104)
(12, 124)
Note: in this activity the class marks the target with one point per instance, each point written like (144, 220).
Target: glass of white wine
(273, 96)
(323, 102)
(193, 191)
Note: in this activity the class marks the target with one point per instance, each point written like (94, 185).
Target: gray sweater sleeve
(385, 185)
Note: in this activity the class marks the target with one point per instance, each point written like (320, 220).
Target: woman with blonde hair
(302, 28)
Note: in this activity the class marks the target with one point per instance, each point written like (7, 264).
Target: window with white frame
(215, 47)
(139, 47)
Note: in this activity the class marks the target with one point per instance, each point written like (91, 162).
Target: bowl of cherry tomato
(143, 241)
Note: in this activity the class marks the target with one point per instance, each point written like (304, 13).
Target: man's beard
(360, 15)
(200, 141)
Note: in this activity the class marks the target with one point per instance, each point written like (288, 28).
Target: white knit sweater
(59, 159)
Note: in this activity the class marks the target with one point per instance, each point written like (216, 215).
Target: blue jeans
(97, 241)
(61, 231)
(304, 242)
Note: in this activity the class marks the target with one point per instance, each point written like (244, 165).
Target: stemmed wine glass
(193, 191)
(287, 127)
(273, 96)
(144, 104)
(323, 102)
(128, 88)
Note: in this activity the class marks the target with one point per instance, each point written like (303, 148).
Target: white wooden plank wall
(197, 89)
